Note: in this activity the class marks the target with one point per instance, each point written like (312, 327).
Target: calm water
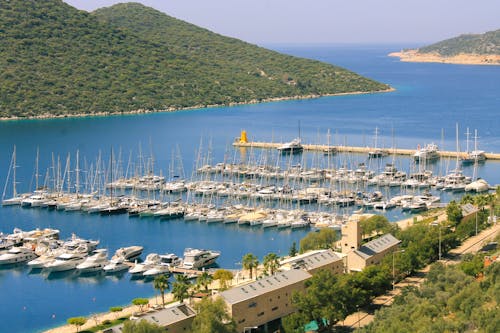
(429, 100)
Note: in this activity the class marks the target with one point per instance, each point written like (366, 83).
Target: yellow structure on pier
(243, 137)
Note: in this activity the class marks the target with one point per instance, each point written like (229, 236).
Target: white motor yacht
(95, 262)
(294, 146)
(196, 258)
(115, 265)
(427, 154)
(65, 262)
(129, 252)
(138, 269)
(160, 269)
(17, 255)
(44, 259)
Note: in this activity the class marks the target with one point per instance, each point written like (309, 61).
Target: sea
(428, 102)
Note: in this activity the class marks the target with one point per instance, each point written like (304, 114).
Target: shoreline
(460, 59)
(194, 107)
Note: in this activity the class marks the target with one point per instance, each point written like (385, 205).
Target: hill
(56, 60)
(464, 49)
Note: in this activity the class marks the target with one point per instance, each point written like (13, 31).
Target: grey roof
(262, 286)
(468, 209)
(313, 260)
(377, 245)
(164, 317)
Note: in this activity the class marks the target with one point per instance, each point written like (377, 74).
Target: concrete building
(313, 261)
(265, 300)
(372, 252)
(175, 318)
(351, 236)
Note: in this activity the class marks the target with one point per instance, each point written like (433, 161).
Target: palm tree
(250, 262)
(180, 287)
(271, 263)
(161, 284)
(204, 280)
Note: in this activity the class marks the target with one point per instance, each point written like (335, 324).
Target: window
(241, 321)
(252, 305)
(274, 309)
(260, 314)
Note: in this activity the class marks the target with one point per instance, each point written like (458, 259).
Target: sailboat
(15, 199)
(376, 152)
(475, 156)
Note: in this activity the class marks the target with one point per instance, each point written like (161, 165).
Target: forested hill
(57, 60)
(481, 44)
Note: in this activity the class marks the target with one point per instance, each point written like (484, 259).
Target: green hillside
(487, 43)
(57, 60)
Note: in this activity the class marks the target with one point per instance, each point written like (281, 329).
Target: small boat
(95, 262)
(479, 185)
(17, 255)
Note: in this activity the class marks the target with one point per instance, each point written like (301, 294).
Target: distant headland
(470, 49)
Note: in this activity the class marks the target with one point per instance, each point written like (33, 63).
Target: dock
(358, 150)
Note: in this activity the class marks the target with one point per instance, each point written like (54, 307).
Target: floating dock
(353, 149)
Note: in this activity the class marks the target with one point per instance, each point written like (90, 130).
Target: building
(372, 252)
(175, 318)
(359, 256)
(313, 261)
(260, 302)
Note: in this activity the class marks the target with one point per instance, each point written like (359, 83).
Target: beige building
(372, 252)
(359, 256)
(313, 261)
(265, 300)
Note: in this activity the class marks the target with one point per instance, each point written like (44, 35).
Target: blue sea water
(429, 100)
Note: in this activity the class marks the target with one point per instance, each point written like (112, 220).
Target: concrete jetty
(353, 149)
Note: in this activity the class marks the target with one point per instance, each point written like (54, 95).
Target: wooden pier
(359, 150)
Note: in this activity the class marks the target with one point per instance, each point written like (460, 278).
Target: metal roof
(264, 285)
(313, 259)
(377, 245)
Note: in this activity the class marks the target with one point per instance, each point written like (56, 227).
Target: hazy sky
(329, 21)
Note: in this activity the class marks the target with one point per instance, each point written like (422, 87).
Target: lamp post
(436, 224)
(394, 268)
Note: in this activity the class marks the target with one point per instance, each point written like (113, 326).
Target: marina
(422, 104)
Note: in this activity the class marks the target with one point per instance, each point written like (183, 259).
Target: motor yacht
(197, 258)
(138, 269)
(96, 262)
(17, 255)
(115, 265)
(65, 262)
(427, 154)
(294, 146)
(160, 269)
(129, 252)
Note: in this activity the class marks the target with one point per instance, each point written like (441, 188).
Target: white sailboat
(15, 199)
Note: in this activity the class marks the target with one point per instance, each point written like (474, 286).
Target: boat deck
(353, 149)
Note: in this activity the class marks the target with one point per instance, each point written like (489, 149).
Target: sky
(329, 21)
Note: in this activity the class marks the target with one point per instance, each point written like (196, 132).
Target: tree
(376, 224)
(115, 310)
(271, 263)
(467, 198)
(77, 321)
(223, 276)
(204, 280)
(323, 239)
(293, 250)
(181, 287)
(481, 201)
(250, 262)
(454, 212)
(141, 326)
(212, 317)
(140, 302)
(161, 284)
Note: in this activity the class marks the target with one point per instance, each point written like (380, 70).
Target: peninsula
(58, 61)
(470, 49)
